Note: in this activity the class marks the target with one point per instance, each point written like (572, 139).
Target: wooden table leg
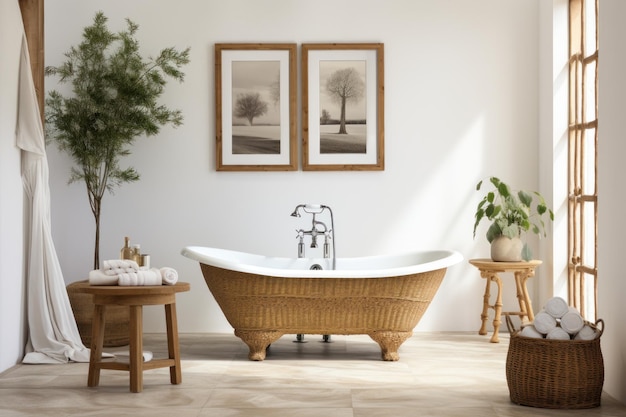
(172, 343)
(498, 309)
(523, 311)
(484, 316)
(529, 306)
(136, 348)
(97, 340)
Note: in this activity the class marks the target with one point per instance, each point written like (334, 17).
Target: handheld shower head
(313, 208)
(296, 212)
(308, 208)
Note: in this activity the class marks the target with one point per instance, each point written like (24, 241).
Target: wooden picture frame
(255, 83)
(349, 77)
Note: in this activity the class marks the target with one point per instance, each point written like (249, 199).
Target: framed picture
(343, 106)
(255, 102)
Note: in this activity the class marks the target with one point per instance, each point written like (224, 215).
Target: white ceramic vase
(505, 249)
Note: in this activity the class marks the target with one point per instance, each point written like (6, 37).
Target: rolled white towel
(97, 277)
(544, 322)
(169, 275)
(556, 307)
(530, 331)
(150, 277)
(586, 333)
(558, 334)
(120, 263)
(572, 322)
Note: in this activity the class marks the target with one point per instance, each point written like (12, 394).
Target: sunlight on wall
(440, 210)
(558, 101)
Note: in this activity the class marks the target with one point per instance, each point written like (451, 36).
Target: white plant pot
(505, 249)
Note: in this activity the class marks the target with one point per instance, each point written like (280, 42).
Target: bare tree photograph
(256, 117)
(343, 106)
(255, 98)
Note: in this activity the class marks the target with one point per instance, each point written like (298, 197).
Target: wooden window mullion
(582, 159)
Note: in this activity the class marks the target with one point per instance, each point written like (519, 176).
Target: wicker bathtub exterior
(263, 308)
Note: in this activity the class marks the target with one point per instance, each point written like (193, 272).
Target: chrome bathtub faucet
(314, 232)
(318, 228)
(300, 243)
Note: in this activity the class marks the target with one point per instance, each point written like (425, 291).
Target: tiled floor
(439, 374)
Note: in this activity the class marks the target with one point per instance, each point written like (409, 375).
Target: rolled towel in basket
(544, 322)
(98, 277)
(586, 333)
(149, 277)
(556, 307)
(530, 331)
(169, 275)
(558, 334)
(572, 322)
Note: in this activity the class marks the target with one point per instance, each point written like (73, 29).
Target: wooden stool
(135, 298)
(489, 270)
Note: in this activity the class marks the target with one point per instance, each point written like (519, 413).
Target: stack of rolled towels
(126, 272)
(559, 321)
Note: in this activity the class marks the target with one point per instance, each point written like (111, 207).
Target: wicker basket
(117, 318)
(555, 373)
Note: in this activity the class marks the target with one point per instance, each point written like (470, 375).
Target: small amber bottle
(127, 251)
(137, 254)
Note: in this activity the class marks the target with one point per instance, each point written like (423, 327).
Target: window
(582, 157)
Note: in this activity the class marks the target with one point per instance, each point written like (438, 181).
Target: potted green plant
(511, 214)
(113, 101)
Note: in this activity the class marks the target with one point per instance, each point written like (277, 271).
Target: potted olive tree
(511, 214)
(113, 102)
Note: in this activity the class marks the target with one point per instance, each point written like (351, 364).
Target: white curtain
(53, 335)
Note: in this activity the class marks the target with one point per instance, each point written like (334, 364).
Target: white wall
(553, 101)
(612, 229)
(12, 288)
(461, 91)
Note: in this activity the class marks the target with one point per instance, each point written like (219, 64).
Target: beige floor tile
(439, 374)
(274, 412)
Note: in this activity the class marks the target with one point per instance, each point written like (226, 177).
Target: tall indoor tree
(113, 102)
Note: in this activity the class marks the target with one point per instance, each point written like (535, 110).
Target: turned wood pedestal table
(490, 270)
(135, 298)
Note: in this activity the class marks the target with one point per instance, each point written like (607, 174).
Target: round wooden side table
(521, 271)
(135, 298)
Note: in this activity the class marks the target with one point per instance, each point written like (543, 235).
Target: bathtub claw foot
(389, 343)
(257, 341)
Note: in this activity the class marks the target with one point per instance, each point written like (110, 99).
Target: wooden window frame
(582, 161)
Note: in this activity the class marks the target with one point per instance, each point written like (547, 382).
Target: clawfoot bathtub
(264, 298)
